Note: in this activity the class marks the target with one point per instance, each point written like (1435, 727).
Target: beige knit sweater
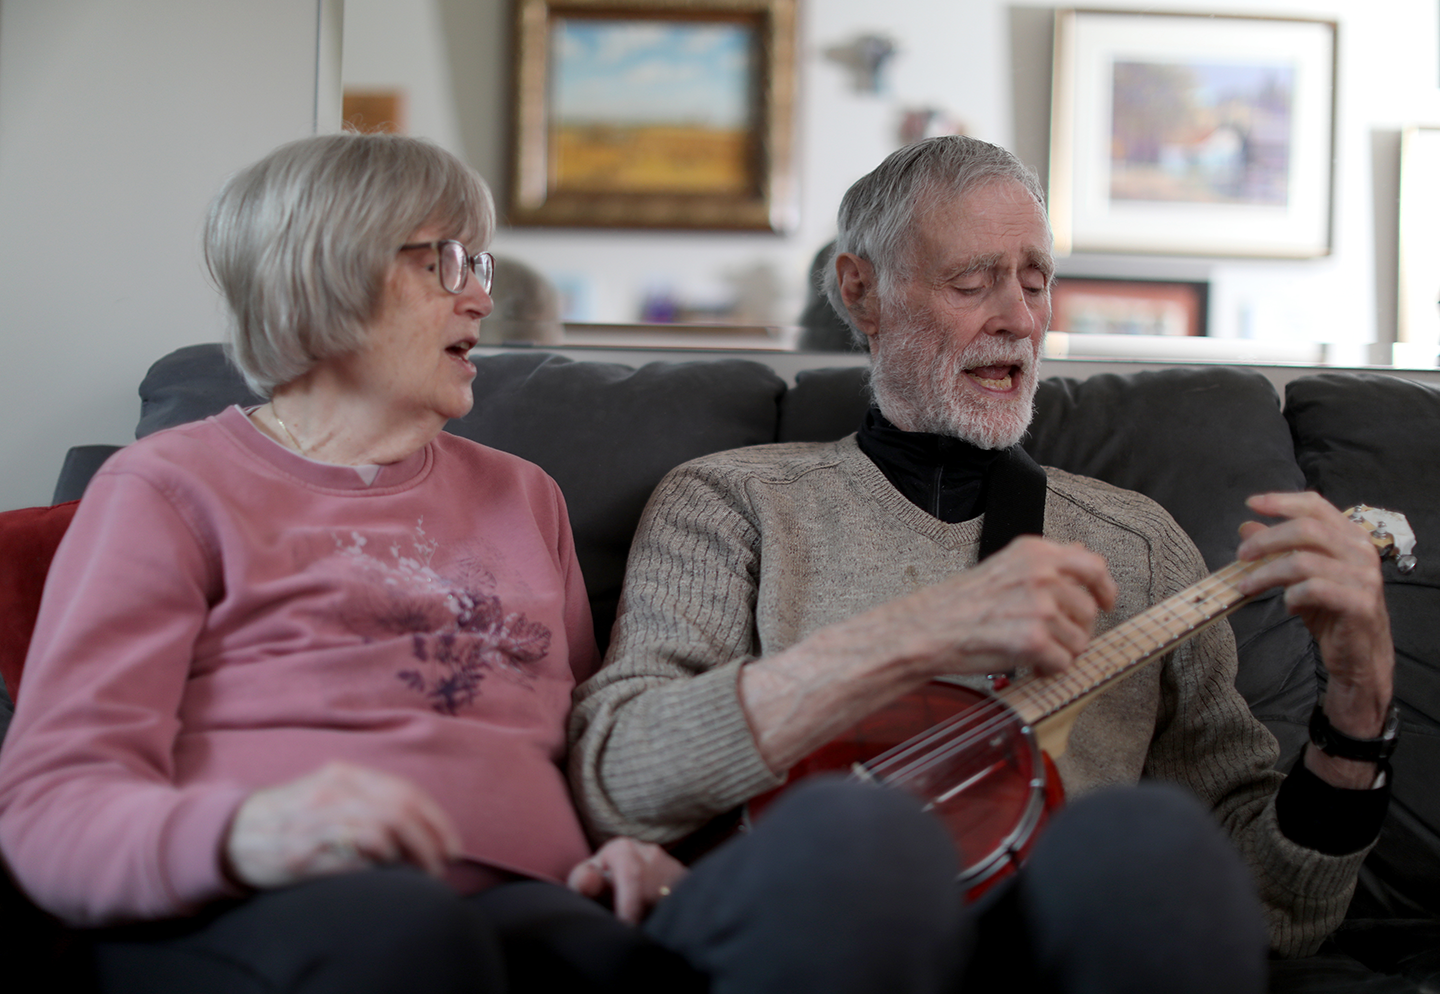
(744, 553)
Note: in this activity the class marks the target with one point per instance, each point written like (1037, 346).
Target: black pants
(1128, 890)
(843, 888)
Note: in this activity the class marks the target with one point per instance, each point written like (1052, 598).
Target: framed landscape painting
(1192, 135)
(655, 113)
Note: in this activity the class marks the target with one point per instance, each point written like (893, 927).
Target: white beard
(917, 382)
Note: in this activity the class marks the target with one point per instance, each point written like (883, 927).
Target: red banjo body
(969, 756)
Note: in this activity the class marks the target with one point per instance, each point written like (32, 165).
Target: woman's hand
(338, 819)
(636, 874)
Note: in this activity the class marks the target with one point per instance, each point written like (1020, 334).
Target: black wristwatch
(1334, 742)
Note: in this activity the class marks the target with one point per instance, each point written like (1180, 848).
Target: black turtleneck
(943, 476)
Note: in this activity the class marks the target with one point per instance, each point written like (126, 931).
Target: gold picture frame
(655, 114)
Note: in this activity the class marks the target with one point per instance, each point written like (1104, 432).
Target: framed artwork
(655, 114)
(1419, 258)
(1128, 307)
(374, 111)
(1192, 135)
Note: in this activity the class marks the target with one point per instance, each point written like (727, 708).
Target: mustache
(993, 353)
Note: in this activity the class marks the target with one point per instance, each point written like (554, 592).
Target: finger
(1248, 528)
(1055, 658)
(1063, 618)
(1329, 596)
(1327, 520)
(1078, 605)
(413, 840)
(1342, 555)
(622, 860)
(416, 823)
(1047, 647)
(1338, 539)
(1280, 504)
(627, 882)
(585, 878)
(1092, 573)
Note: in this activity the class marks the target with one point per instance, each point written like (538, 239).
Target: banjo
(983, 762)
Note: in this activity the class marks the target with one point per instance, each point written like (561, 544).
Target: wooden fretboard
(1133, 643)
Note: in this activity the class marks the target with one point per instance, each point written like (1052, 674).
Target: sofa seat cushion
(1375, 439)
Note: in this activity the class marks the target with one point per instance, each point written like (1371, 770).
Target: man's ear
(856, 278)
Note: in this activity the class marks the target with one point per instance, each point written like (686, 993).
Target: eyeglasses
(455, 266)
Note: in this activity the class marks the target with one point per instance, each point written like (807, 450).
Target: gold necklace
(286, 429)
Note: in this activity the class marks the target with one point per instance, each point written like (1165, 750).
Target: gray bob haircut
(877, 210)
(300, 242)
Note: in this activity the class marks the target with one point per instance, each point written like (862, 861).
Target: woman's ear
(856, 278)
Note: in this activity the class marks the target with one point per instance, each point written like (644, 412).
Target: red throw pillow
(28, 539)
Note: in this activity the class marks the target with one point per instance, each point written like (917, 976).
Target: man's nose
(1020, 314)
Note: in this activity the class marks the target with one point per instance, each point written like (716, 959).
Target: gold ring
(343, 848)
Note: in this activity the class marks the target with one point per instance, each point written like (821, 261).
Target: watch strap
(1333, 742)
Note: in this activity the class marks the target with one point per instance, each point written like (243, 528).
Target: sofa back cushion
(607, 433)
(1375, 439)
(824, 404)
(190, 384)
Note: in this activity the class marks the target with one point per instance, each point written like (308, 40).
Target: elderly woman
(294, 708)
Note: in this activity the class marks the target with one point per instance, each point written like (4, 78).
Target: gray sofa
(1198, 440)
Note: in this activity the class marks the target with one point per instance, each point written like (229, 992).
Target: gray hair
(300, 242)
(877, 211)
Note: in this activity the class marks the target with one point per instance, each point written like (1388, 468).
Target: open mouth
(460, 352)
(461, 349)
(998, 378)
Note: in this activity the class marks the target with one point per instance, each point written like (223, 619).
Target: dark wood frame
(769, 206)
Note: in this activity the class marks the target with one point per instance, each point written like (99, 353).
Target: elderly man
(778, 595)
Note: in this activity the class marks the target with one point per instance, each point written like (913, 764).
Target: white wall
(119, 119)
(987, 62)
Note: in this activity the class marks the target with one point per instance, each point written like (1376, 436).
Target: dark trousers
(1128, 890)
(842, 888)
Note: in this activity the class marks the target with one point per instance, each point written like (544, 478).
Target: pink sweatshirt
(225, 615)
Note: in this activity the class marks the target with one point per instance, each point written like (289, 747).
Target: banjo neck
(1051, 703)
(1132, 643)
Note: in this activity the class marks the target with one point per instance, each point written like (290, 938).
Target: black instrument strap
(1014, 500)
